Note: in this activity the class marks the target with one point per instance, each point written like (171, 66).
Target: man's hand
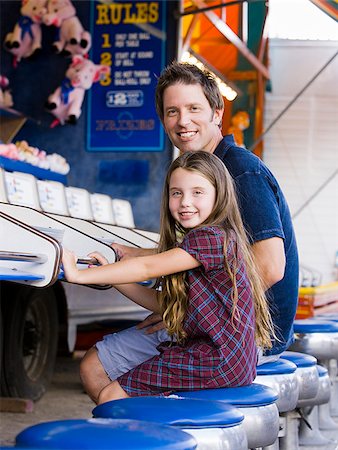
(124, 251)
(154, 323)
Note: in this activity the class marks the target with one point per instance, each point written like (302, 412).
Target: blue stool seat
(300, 359)
(307, 374)
(210, 422)
(104, 434)
(171, 411)
(322, 371)
(330, 316)
(315, 326)
(281, 376)
(253, 395)
(258, 404)
(281, 366)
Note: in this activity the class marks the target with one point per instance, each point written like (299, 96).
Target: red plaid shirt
(219, 351)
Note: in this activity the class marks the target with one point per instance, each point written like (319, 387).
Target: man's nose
(184, 118)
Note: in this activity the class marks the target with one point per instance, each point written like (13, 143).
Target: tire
(1, 334)
(30, 327)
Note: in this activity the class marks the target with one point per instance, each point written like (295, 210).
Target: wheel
(1, 335)
(30, 327)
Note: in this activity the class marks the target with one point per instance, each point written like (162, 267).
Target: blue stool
(316, 337)
(256, 402)
(333, 369)
(281, 376)
(310, 407)
(214, 425)
(104, 434)
(320, 339)
(306, 373)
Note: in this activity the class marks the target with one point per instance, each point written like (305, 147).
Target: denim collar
(226, 143)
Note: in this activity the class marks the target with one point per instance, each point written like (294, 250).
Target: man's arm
(269, 256)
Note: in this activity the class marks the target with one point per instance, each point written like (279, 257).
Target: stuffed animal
(9, 151)
(25, 39)
(239, 122)
(66, 101)
(6, 100)
(72, 39)
(58, 163)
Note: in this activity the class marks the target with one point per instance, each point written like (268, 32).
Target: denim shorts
(122, 351)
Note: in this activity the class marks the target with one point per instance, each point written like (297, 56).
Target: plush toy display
(72, 38)
(25, 39)
(66, 101)
(239, 122)
(22, 151)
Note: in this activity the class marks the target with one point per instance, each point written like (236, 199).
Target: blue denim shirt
(265, 214)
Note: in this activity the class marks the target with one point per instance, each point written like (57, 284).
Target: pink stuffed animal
(6, 100)
(72, 38)
(25, 39)
(65, 103)
(9, 151)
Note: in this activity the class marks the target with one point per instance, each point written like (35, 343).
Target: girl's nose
(186, 200)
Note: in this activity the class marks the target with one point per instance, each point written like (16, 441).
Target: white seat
(78, 201)
(52, 197)
(3, 191)
(22, 189)
(102, 208)
(123, 213)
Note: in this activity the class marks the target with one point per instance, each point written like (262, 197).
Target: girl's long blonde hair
(173, 298)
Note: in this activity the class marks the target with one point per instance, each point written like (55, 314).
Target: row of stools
(291, 406)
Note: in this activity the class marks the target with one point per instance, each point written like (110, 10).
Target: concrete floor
(64, 399)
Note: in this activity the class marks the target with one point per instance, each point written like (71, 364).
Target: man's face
(188, 118)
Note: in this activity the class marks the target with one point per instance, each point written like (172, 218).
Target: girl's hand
(99, 258)
(69, 265)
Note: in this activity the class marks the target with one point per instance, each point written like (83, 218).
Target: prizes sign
(130, 38)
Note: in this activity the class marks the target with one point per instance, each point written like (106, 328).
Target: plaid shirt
(219, 350)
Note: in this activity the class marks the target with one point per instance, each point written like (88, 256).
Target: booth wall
(134, 176)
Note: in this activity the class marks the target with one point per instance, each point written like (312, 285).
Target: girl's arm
(141, 295)
(130, 270)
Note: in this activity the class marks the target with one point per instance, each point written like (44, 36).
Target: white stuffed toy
(72, 38)
(66, 102)
(25, 39)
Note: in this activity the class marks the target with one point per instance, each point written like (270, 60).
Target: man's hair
(185, 73)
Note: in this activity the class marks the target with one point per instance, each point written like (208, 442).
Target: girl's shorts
(122, 351)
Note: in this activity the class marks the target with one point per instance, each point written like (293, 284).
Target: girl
(210, 292)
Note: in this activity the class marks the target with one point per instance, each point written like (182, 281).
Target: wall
(31, 83)
(301, 149)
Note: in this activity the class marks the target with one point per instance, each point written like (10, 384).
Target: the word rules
(116, 13)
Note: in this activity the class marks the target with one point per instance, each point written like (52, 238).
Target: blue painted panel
(121, 108)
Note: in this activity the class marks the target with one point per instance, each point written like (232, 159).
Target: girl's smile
(191, 197)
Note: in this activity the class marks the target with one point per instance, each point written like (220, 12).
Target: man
(191, 107)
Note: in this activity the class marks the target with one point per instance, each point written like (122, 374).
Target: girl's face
(191, 197)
